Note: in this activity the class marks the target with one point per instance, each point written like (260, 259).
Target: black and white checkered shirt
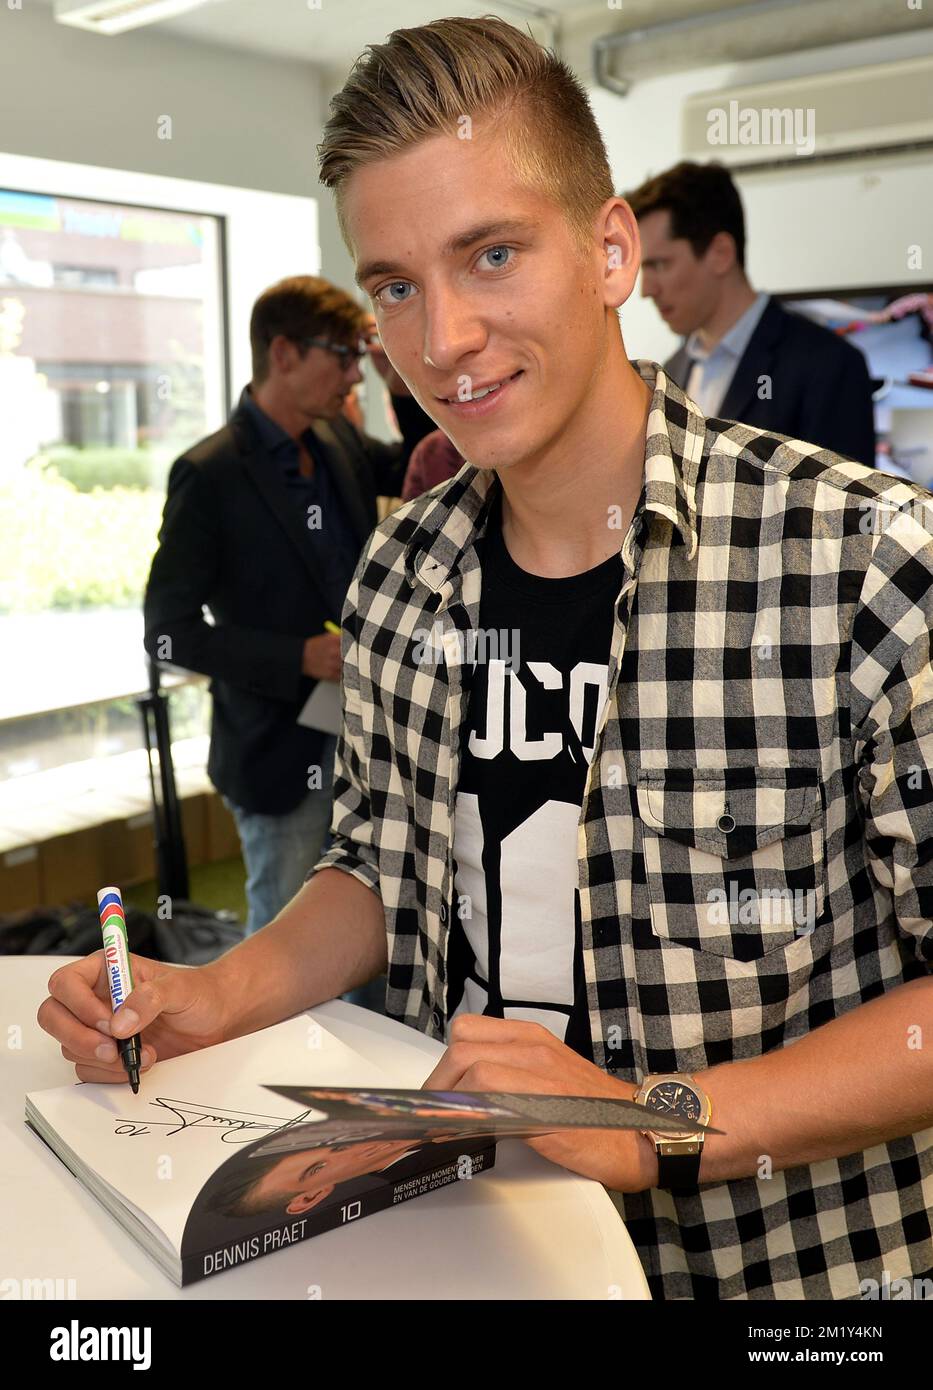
(756, 837)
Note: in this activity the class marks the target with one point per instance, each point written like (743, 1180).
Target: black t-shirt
(536, 701)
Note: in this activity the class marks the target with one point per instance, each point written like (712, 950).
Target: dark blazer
(233, 538)
(820, 387)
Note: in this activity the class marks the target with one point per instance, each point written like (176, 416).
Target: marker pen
(119, 974)
(332, 627)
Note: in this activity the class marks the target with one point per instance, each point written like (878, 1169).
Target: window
(82, 275)
(111, 364)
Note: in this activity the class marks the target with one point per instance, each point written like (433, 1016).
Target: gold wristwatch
(679, 1155)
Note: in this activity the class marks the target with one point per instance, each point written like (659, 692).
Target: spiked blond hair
(423, 81)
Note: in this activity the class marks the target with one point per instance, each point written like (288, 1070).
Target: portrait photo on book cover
(322, 1165)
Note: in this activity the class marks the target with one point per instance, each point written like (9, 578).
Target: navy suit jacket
(820, 387)
(233, 538)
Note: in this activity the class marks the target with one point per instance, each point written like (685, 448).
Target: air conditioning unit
(828, 115)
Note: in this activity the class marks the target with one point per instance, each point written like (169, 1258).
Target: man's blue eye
(392, 285)
(377, 296)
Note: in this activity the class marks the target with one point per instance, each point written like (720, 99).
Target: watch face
(674, 1098)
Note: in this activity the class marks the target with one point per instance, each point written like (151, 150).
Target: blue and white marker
(119, 974)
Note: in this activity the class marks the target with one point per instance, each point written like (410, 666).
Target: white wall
(238, 119)
(809, 226)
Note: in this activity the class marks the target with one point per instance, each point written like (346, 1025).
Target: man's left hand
(501, 1054)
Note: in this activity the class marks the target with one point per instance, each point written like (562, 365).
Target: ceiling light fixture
(117, 16)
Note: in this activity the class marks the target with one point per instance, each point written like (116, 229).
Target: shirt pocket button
(733, 857)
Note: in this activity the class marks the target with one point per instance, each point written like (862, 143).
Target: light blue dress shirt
(713, 369)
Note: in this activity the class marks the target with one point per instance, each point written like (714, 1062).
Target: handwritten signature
(234, 1126)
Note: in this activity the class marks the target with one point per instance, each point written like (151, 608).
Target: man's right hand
(176, 1009)
(321, 657)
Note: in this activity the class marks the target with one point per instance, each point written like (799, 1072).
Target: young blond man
(634, 776)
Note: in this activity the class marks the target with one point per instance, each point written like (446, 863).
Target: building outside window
(111, 364)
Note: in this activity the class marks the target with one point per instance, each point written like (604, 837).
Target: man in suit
(745, 357)
(263, 523)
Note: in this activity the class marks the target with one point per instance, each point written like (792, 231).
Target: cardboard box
(128, 849)
(19, 878)
(73, 867)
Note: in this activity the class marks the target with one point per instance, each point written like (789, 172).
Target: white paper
(194, 1110)
(322, 709)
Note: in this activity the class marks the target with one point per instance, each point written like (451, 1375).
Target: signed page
(237, 1151)
(157, 1149)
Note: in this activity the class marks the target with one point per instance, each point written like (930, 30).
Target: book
(233, 1152)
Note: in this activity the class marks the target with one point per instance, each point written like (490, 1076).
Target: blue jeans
(279, 851)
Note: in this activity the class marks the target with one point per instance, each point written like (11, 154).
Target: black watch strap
(679, 1170)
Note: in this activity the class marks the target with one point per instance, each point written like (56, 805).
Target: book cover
(236, 1151)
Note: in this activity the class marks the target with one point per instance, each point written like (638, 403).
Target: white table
(526, 1229)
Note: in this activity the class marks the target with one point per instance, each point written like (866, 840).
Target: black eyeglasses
(348, 356)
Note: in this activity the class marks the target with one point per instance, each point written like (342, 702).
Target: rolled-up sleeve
(892, 718)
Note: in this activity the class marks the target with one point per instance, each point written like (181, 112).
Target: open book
(239, 1150)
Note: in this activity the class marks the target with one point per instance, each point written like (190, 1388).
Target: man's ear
(721, 253)
(282, 352)
(622, 249)
(304, 1201)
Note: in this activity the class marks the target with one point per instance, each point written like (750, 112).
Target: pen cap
(110, 898)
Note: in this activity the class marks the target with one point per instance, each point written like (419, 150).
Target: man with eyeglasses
(264, 522)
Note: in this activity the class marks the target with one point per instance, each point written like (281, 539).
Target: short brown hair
(235, 1192)
(701, 199)
(299, 307)
(425, 80)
